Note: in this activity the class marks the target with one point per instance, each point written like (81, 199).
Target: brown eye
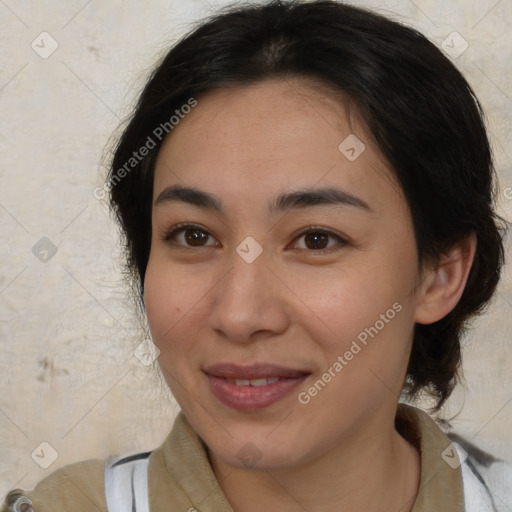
(195, 236)
(188, 235)
(317, 240)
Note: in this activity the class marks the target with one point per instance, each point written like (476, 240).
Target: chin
(250, 456)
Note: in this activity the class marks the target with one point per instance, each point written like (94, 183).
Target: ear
(443, 286)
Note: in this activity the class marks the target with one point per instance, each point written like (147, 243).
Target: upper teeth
(254, 382)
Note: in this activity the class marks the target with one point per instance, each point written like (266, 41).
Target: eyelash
(168, 236)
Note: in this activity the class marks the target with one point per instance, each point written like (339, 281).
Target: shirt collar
(440, 478)
(180, 471)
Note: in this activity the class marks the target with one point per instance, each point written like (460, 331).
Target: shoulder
(485, 476)
(75, 486)
(485, 480)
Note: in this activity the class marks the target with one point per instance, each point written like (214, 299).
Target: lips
(254, 371)
(252, 387)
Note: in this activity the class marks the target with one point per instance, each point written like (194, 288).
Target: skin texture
(294, 306)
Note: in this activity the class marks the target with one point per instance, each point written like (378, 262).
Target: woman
(305, 191)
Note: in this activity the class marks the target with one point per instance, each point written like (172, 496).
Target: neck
(375, 470)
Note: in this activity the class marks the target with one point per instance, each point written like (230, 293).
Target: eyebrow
(282, 202)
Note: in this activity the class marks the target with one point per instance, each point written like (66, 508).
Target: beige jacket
(180, 477)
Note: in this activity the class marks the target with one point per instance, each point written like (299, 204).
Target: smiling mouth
(248, 388)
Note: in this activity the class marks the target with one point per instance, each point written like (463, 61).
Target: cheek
(347, 302)
(171, 299)
(367, 320)
(169, 296)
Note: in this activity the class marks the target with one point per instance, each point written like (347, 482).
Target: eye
(316, 239)
(188, 235)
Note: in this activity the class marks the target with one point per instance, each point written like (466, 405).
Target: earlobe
(443, 286)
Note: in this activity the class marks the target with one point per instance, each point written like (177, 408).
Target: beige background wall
(69, 376)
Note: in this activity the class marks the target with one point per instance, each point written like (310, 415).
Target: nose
(249, 302)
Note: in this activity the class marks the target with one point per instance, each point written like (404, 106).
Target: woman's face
(279, 345)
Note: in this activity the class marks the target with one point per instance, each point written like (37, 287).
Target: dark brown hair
(421, 112)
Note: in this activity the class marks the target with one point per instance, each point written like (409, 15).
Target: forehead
(253, 141)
